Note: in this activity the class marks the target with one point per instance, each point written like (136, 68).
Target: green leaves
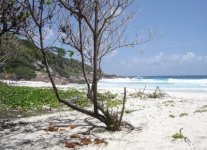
(26, 98)
(71, 53)
(48, 2)
(60, 51)
(26, 15)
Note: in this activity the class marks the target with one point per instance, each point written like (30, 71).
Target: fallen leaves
(86, 141)
(83, 141)
(72, 126)
(81, 138)
(71, 144)
(51, 129)
(100, 141)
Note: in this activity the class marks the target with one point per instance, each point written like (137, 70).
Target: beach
(156, 123)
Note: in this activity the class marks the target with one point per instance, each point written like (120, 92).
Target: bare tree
(95, 28)
(41, 15)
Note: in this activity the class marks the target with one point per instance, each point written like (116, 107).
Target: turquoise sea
(163, 82)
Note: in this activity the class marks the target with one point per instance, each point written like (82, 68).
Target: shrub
(25, 98)
(22, 72)
(178, 135)
(183, 114)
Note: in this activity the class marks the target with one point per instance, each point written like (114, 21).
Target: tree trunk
(95, 60)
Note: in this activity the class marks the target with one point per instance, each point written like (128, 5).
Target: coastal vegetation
(25, 61)
(178, 135)
(201, 109)
(157, 93)
(27, 101)
(183, 114)
(30, 101)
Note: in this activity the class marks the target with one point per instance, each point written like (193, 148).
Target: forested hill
(24, 62)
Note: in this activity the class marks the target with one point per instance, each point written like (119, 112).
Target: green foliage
(26, 98)
(22, 72)
(201, 109)
(26, 15)
(177, 136)
(109, 99)
(106, 96)
(71, 53)
(60, 51)
(48, 2)
(113, 103)
(81, 100)
(183, 114)
(24, 57)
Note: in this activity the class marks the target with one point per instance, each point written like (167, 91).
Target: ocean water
(163, 82)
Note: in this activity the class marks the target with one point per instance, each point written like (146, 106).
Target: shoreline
(179, 93)
(78, 85)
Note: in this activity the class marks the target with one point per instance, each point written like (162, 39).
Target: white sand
(151, 117)
(41, 84)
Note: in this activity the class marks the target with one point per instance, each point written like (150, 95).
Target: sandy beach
(103, 75)
(155, 122)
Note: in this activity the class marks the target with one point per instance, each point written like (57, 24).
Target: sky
(178, 45)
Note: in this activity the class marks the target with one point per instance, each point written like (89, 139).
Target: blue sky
(179, 44)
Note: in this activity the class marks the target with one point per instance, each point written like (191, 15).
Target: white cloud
(188, 56)
(162, 58)
(164, 64)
